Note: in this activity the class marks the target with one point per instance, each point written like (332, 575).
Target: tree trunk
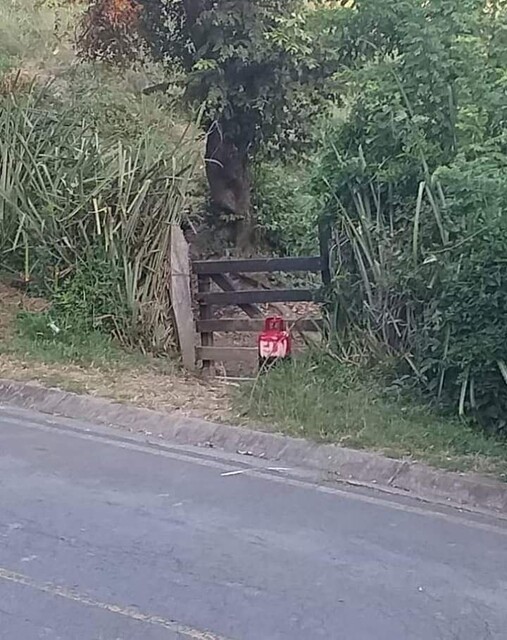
(228, 172)
(227, 166)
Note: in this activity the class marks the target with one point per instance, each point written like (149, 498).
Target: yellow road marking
(126, 612)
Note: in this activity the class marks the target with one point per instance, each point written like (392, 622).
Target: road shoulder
(334, 464)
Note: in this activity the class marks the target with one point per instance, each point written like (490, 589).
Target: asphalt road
(103, 539)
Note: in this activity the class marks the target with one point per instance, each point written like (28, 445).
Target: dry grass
(149, 383)
(144, 387)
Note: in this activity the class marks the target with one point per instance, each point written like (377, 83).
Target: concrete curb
(336, 463)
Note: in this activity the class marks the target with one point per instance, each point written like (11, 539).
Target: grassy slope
(328, 402)
(36, 43)
(36, 47)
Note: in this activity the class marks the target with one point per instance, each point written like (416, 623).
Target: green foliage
(429, 82)
(256, 72)
(5, 63)
(414, 180)
(93, 298)
(322, 399)
(80, 214)
(286, 211)
(250, 63)
(253, 65)
(463, 343)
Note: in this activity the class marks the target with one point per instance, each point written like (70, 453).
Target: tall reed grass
(66, 194)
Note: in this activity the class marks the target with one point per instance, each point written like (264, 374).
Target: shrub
(287, 212)
(462, 345)
(414, 182)
(93, 298)
(69, 199)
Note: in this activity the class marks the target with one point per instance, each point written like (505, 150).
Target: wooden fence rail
(247, 325)
(260, 296)
(259, 265)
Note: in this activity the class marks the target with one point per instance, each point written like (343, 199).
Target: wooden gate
(219, 272)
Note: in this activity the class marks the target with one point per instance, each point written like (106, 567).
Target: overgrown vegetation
(250, 64)
(286, 210)
(322, 399)
(89, 220)
(92, 178)
(386, 119)
(414, 182)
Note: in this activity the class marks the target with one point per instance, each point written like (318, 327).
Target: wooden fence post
(181, 296)
(205, 313)
(324, 243)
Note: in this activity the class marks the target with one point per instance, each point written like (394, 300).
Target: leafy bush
(414, 180)
(93, 298)
(69, 199)
(462, 345)
(287, 212)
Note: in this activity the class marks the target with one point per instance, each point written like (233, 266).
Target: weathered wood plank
(205, 313)
(258, 296)
(181, 296)
(258, 265)
(325, 245)
(225, 283)
(227, 354)
(248, 325)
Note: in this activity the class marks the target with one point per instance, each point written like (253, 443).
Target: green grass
(36, 33)
(325, 401)
(38, 338)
